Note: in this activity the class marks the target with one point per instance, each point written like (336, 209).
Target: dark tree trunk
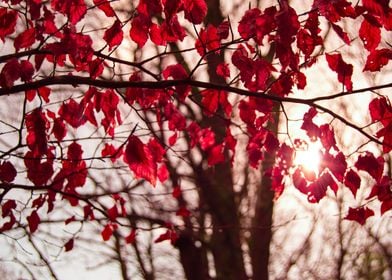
(192, 258)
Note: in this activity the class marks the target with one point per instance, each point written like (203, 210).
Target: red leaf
(157, 35)
(300, 182)
(352, 181)
(107, 232)
(318, 189)
(30, 95)
(176, 119)
(7, 172)
(38, 172)
(39, 202)
(163, 173)
(70, 220)
(74, 152)
(176, 192)
(139, 29)
(336, 164)
(73, 113)
(312, 130)
(157, 151)
(254, 73)
(25, 39)
(140, 161)
(344, 70)
(7, 207)
(173, 139)
(37, 125)
(69, 245)
(10, 73)
(377, 59)
(33, 221)
(44, 93)
(377, 7)
(88, 212)
(183, 212)
(306, 43)
(216, 155)
(8, 225)
(359, 214)
(96, 67)
(206, 138)
(247, 112)
(112, 152)
(114, 35)
(131, 238)
(381, 110)
(308, 38)
(108, 103)
(172, 30)
(287, 24)
(8, 20)
(257, 25)
(372, 165)
(26, 71)
(335, 10)
(210, 101)
(171, 7)
(113, 213)
(177, 72)
(386, 206)
(59, 129)
(208, 40)
(104, 6)
(195, 10)
(149, 7)
(74, 9)
(223, 70)
(271, 143)
(382, 190)
(370, 35)
(223, 30)
(327, 137)
(247, 25)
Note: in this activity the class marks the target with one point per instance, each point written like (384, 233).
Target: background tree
(209, 107)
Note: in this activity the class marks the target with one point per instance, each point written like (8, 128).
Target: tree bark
(261, 233)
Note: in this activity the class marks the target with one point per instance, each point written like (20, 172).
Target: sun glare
(309, 158)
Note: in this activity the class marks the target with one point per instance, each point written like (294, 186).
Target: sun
(309, 157)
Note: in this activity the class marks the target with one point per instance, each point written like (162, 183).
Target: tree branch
(79, 80)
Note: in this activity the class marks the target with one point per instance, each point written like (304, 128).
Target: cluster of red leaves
(170, 30)
(333, 162)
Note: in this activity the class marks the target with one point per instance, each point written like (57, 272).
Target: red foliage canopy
(48, 40)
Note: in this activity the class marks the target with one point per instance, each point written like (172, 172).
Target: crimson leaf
(114, 35)
(7, 172)
(140, 160)
(69, 245)
(344, 70)
(352, 181)
(359, 214)
(195, 10)
(33, 221)
(25, 39)
(372, 165)
(131, 237)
